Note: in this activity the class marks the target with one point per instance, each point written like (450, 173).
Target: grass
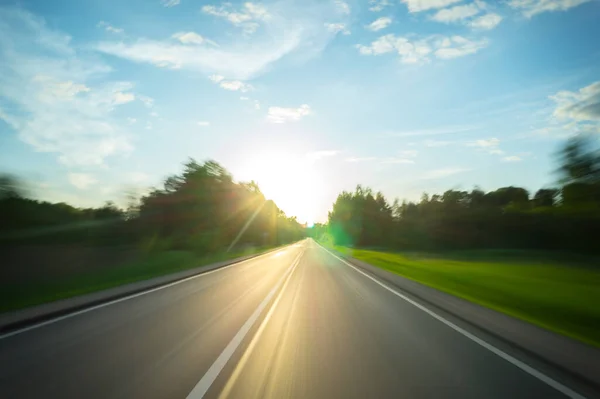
(15, 297)
(559, 295)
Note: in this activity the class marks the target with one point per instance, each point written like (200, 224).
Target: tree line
(201, 209)
(566, 217)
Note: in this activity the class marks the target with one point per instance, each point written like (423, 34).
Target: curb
(14, 320)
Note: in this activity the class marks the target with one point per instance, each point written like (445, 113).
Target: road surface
(298, 323)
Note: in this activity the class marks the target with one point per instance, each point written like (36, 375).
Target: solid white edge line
(514, 361)
(125, 298)
(212, 373)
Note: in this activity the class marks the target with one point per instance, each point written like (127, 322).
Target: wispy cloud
(360, 159)
(57, 104)
(337, 28)
(432, 132)
(485, 22)
(342, 6)
(109, 28)
(378, 5)
(420, 50)
(379, 24)
(82, 180)
(248, 17)
(490, 145)
(581, 105)
(458, 46)
(423, 5)
(443, 172)
(203, 123)
(170, 3)
(283, 115)
(529, 8)
(318, 155)
(394, 160)
(296, 27)
(436, 143)
(512, 158)
(189, 38)
(456, 13)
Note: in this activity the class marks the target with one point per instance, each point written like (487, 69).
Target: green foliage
(535, 287)
(554, 219)
(202, 210)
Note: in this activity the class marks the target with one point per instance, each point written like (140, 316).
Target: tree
(545, 197)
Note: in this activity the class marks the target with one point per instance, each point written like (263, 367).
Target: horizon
(306, 98)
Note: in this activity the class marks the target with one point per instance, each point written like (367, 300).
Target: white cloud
(138, 177)
(422, 5)
(579, 109)
(317, 155)
(216, 78)
(379, 24)
(109, 28)
(378, 5)
(397, 161)
(122, 98)
(295, 29)
(247, 18)
(256, 104)
(244, 98)
(418, 51)
(455, 14)
(81, 180)
(360, 159)
(485, 22)
(485, 143)
(203, 123)
(409, 52)
(283, 115)
(342, 6)
(529, 8)
(170, 3)
(189, 38)
(409, 153)
(147, 101)
(57, 103)
(436, 143)
(491, 146)
(51, 90)
(443, 172)
(458, 46)
(131, 120)
(581, 105)
(337, 28)
(512, 158)
(233, 85)
(432, 132)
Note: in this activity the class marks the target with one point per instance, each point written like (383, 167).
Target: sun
(287, 179)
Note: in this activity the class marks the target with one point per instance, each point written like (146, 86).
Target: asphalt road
(297, 323)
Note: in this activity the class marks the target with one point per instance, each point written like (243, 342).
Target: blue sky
(99, 98)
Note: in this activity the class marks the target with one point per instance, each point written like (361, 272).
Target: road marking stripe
(125, 298)
(528, 369)
(252, 345)
(213, 372)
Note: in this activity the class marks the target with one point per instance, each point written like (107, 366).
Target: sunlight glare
(289, 180)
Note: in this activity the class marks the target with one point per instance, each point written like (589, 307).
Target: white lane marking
(526, 368)
(128, 297)
(213, 372)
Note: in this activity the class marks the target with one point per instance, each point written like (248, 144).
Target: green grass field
(541, 288)
(14, 297)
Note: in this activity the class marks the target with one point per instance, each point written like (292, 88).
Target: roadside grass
(18, 296)
(559, 295)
